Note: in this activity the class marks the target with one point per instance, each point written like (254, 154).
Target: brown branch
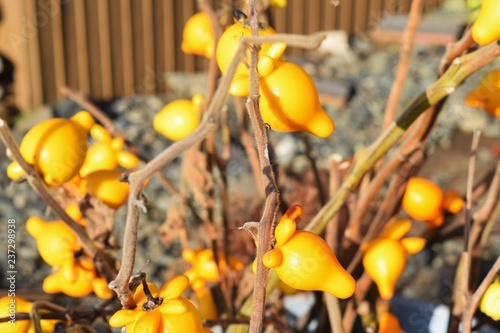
(137, 180)
(268, 180)
(483, 214)
(473, 302)
(404, 62)
(463, 268)
(454, 50)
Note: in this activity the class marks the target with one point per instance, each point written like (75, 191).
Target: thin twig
(476, 297)
(455, 49)
(463, 269)
(404, 62)
(483, 214)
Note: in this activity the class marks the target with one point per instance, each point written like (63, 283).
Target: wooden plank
(17, 38)
(70, 45)
(374, 13)
(82, 58)
(169, 35)
(149, 79)
(431, 30)
(93, 48)
(360, 16)
(104, 49)
(137, 38)
(346, 11)
(404, 6)
(296, 22)
(58, 47)
(43, 21)
(127, 47)
(161, 52)
(313, 17)
(330, 12)
(117, 67)
(187, 12)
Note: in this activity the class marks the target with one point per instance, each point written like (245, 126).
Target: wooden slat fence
(113, 48)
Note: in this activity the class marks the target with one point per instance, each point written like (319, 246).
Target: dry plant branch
(35, 181)
(462, 277)
(137, 180)
(432, 97)
(272, 201)
(460, 69)
(404, 62)
(454, 50)
(473, 301)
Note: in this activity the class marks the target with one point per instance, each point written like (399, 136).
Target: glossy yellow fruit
(490, 303)
(56, 147)
(84, 281)
(106, 153)
(174, 314)
(229, 41)
(385, 257)
(304, 260)
(179, 118)
(289, 99)
(486, 28)
(204, 268)
(56, 242)
(487, 95)
(290, 102)
(104, 185)
(198, 37)
(422, 199)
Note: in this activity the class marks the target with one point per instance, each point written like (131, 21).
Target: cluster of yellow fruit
(74, 273)
(289, 99)
(170, 313)
(58, 149)
(204, 269)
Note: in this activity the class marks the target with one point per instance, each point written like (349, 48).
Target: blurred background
(108, 49)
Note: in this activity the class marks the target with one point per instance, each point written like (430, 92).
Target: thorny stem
(138, 179)
(33, 178)
(268, 180)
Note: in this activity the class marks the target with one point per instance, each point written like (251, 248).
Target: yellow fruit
(490, 303)
(174, 314)
(487, 94)
(304, 261)
(104, 185)
(56, 147)
(486, 28)
(179, 118)
(422, 199)
(198, 37)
